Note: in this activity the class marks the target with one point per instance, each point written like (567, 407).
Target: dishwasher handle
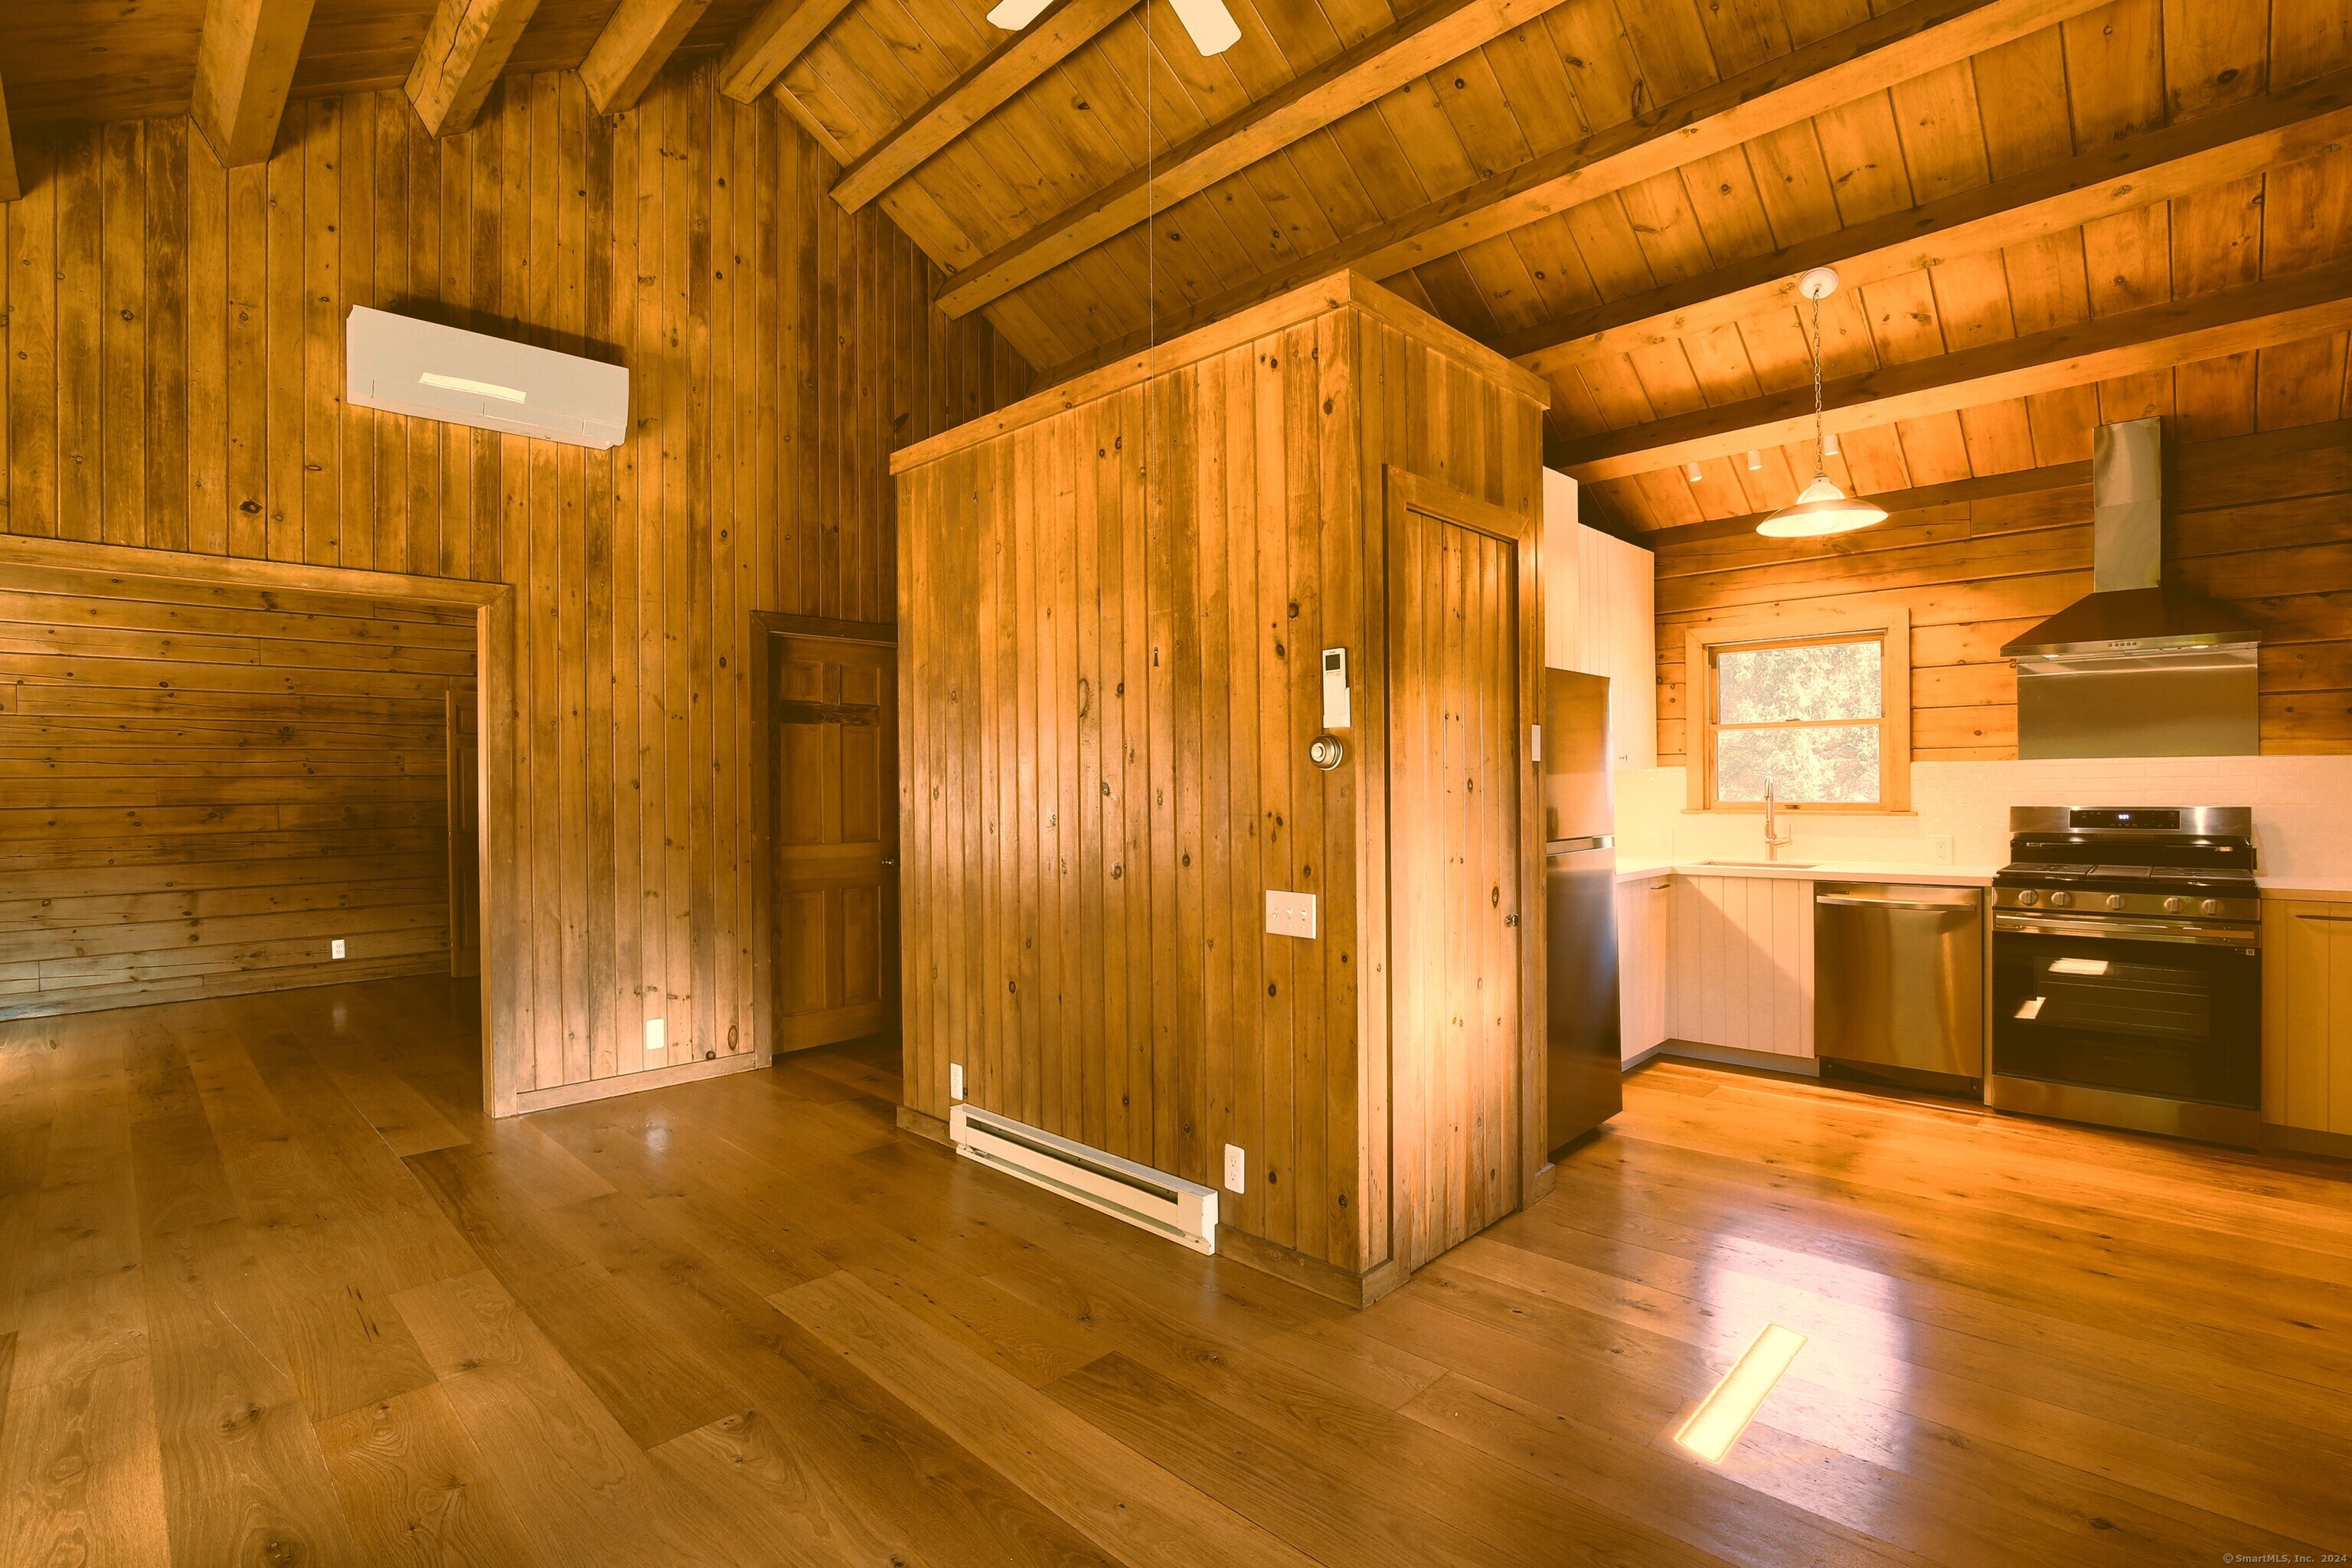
(1849, 902)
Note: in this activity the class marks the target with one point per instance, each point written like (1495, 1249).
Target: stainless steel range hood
(2138, 668)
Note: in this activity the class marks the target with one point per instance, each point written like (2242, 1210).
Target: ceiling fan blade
(1213, 26)
(1015, 15)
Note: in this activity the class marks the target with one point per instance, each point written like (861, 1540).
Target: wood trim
(2306, 1140)
(245, 63)
(466, 47)
(2254, 316)
(780, 622)
(816, 129)
(2233, 144)
(1332, 1283)
(1001, 73)
(1355, 77)
(1870, 57)
(500, 862)
(1404, 492)
(638, 39)
(1894, 700)
(1324, 295)
(579, 1093)
(923, 1124)
(12, 185)
(767, 45)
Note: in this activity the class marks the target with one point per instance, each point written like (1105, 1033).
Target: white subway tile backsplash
(2300, 826)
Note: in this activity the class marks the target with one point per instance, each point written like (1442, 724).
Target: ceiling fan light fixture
(1213, 28)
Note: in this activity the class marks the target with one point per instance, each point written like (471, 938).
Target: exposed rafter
(11, 187)
(2118, 177)
(245, 63)
(466, 47)
(1378, 65)
(637, 41)
(767, 45)
(1003, 71)
(2131, 342)
(1896, 46)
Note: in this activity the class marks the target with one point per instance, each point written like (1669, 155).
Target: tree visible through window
(1805, 715)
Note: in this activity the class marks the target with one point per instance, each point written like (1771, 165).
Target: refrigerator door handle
(1577, 846)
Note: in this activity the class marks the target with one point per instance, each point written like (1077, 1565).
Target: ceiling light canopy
(1211, 26)
(1820, 507)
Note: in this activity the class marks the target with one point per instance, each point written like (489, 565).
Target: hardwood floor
(273, 1290)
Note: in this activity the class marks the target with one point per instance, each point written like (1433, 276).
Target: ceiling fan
(1211, 26)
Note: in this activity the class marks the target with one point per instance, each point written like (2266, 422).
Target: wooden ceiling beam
(466, 47)
(1896, 46)
(2132, 342)
(245, 63)
(767, 45)
(965, 101)
(1388, 59)
(2190, 155)
(637, 41)
(11, 186)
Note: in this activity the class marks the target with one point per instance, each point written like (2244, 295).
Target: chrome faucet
(1773, 836)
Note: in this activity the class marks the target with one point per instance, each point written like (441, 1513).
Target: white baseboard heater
(1184, 1212)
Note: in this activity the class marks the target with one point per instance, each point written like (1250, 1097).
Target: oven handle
(2131, 931)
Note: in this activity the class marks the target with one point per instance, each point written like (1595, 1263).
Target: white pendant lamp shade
(1015, 15)
(1820, 507)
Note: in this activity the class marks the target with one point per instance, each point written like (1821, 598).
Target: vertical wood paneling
(1739, 963)
(1107, 725)
(173, 350)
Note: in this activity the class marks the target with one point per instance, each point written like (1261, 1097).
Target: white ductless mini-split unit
(403, 366)
(1184, 1212)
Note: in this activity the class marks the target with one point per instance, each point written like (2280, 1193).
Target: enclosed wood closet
(1114, 602)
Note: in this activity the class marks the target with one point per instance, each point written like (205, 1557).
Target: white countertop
(1933, 875)
(2320, 887)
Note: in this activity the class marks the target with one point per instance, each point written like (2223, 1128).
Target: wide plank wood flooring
(272, 1291)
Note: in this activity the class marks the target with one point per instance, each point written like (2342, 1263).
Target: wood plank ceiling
(2051, 213)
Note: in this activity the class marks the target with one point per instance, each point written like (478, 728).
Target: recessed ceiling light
(1725, 1412)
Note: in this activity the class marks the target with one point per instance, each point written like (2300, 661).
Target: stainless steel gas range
(2126, 972)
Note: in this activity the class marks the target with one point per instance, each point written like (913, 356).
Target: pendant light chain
(1821, 447)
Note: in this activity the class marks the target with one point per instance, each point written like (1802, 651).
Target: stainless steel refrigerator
(1579, 906)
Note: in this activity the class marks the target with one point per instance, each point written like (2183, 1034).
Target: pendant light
(1820, 507)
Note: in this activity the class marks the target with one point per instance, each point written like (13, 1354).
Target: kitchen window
(1824, 714)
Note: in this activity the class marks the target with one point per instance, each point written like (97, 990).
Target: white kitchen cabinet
(1739, 965)
(1599, 597)
(1643, 920)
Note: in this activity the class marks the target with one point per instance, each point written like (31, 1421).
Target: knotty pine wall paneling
(172, 380)
(2257, 522)
(1108, 687)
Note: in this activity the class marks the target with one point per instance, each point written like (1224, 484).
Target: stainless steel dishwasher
(1898, 985)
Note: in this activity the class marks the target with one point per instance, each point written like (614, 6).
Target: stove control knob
(2029, 897)
(2212, 906)
(2060, 900)
(2173, 906)
(2115, 900)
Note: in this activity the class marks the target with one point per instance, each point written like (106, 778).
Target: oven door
(2144, 1008)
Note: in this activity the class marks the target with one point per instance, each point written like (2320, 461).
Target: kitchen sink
(1766, 865)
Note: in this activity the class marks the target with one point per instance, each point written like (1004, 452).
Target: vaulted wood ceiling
(2050, 213)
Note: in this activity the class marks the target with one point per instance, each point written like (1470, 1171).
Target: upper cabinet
(1599, 594)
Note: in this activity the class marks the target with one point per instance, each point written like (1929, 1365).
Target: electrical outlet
(955, 1081)
(1290, 914)
(335, 947)
(1940, 849)
(1236, 1169)
(656, 1036)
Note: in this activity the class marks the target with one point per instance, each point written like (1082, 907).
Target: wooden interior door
(1457, 887)
(465, 750)
(835, 712)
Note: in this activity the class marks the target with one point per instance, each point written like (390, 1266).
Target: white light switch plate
(656, 1036)
(955, 1081)
(1290, 914)
(1236, 1169)
(335, 947)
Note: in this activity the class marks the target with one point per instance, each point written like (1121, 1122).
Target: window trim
(1701, 643)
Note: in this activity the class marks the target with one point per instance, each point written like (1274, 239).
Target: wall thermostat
(1325, 751)
(1335, 690)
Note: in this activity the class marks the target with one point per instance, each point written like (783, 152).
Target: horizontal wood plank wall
(202, 788)
(1108, 691)
(173, 376)
(2257, 522)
